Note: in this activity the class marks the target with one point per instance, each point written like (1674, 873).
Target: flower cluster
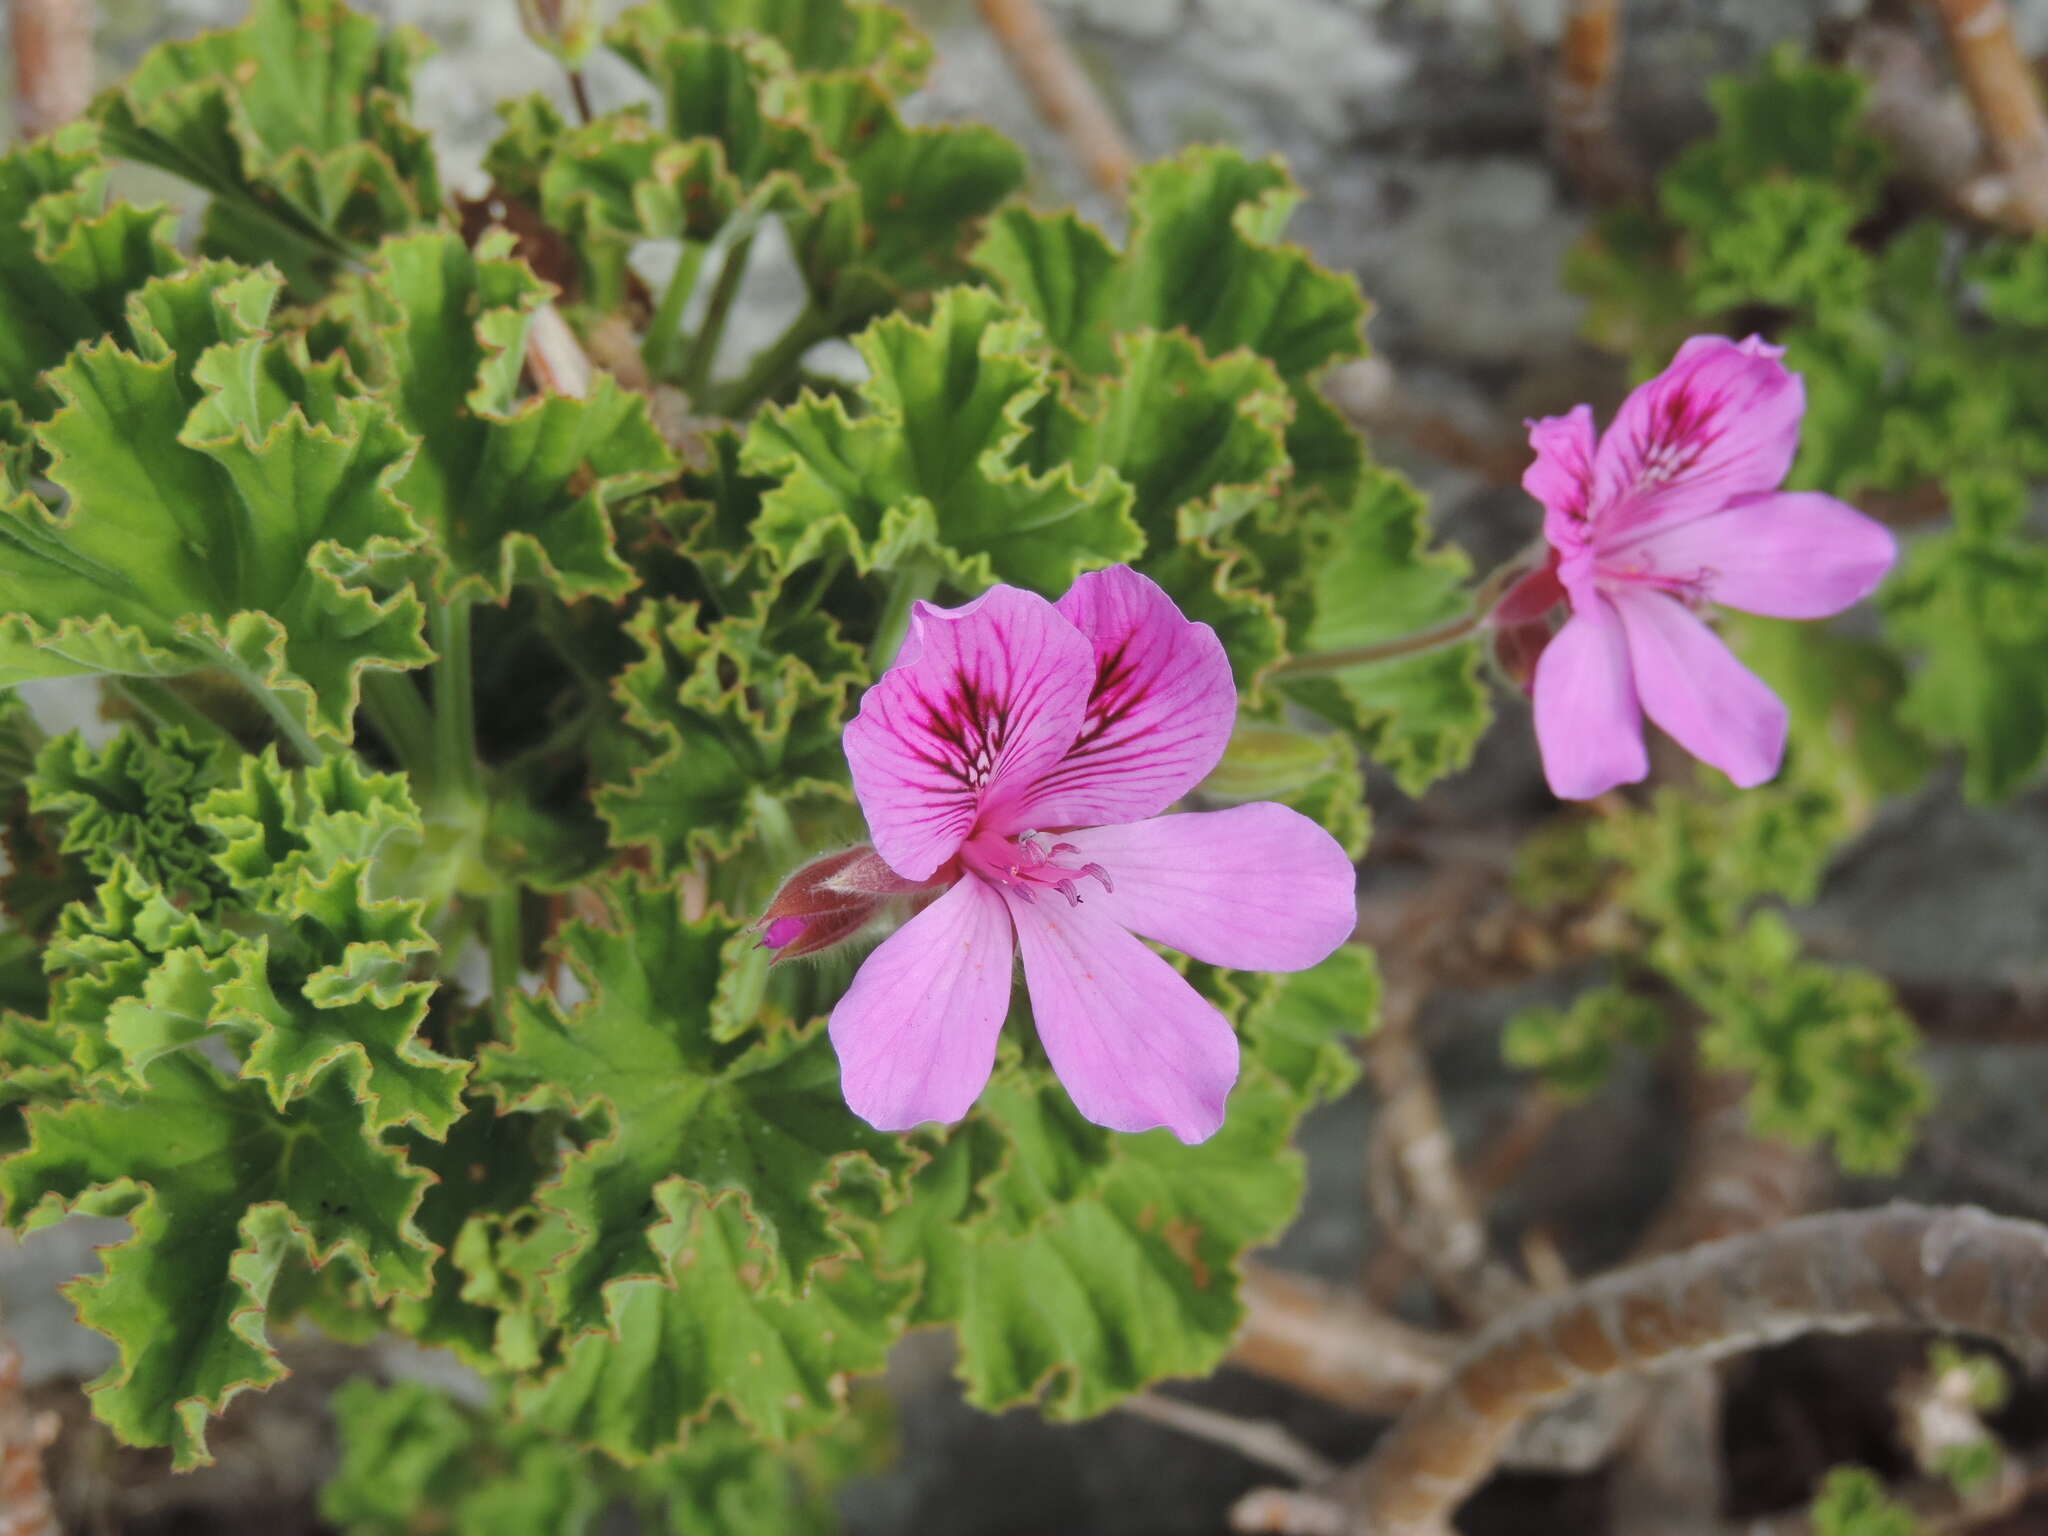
(1014, 763)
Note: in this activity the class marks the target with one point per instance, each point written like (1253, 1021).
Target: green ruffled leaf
(512, 491)
(1203, 255)
(1574, 1049)
(133, 802)
(744, 740)
(307, 969)
(412, 1459)
(912, 199)
(294, 121)
(1108, 1262)
(1968, 601)
(1792, 120)
(1201, 442)
(679, 1114)
(701, 1334)
(221, 1191)
(929, 473)
(68, 260)
(814, 35)
(410, 1455)
(1420, 716)
(228, 505)
(1853, 1501)
(1830, 1053)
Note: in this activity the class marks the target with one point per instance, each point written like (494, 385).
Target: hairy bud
(828, 901)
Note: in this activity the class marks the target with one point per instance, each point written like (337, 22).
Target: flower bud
(566, 28)
(828, 901)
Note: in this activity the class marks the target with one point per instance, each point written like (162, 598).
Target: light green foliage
(294, 122)
(228, 503)
(511, 491)
(68, 259)
(1853, 1502)
(1419, 715)
(745, 740)
(1828, 1050)
(1078, 1264)
(933, 472)
(681, 1113)
(222, 1191)
(1574, 1048)
(1969, 599)
(413, 1460)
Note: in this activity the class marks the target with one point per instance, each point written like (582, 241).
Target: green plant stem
(310, 752)
(1420, 642)
(915, 580)
(665, 331)
(402, 718)
(772, 371)
(1416, 643)
(164, 706)
(503, 933)
(725, 289)
(456, 770)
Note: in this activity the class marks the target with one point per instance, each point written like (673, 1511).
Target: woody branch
(1901, 1265)
(2007, 99)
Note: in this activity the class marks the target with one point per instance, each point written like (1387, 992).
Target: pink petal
(1789, 555)
(1588, 724)
(1159, 714)
(1134, 1044)
(1722, 421)
(1561, 478)
(983, 701)
(916, 1032)
(1692, 685)
(1258, 887)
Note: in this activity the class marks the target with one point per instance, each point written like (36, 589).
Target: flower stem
(1416, 643)
(664, 332)
(772, 370)
(580, 93)
(912, 581)
(164, 706)
(504, 933)
(725, 289)
(454, 700)
(1434, 637)
(401, 717)
(310, 753)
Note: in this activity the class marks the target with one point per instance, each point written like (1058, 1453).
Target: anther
(1100, 874)
(1066, 889)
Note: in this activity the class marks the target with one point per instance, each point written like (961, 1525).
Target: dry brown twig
(1960, 1270)
(1582, 102)
(52, 44)
(2007, 99)
(1335, 1345)
(1065, 96)
(1254, 1439)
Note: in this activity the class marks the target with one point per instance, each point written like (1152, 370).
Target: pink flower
(1676, 507)
(1016, 758)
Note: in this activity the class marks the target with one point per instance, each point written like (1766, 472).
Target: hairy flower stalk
(1676, 506)
(1015, 760)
